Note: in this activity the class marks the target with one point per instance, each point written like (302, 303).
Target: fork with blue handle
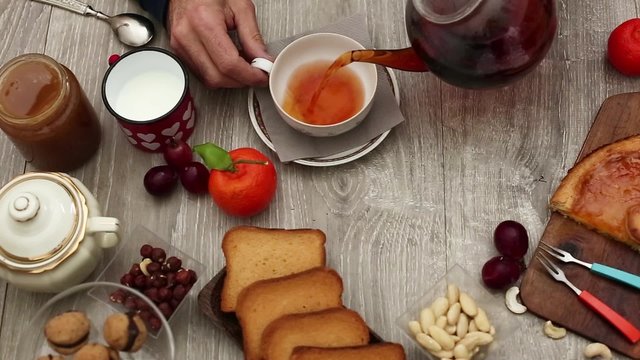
(596, 268)
(623, 325)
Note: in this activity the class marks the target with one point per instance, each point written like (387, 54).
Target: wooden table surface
(429, 197)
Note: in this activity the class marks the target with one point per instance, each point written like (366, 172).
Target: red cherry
(177, 153)
(623, 47)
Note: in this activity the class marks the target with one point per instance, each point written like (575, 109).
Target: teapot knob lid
(24, 207)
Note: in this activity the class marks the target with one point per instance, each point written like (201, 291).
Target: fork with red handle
(631, 332)
(596, 268)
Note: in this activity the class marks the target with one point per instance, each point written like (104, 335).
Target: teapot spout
(401, 59)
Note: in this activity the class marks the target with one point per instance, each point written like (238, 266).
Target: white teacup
(307, 49)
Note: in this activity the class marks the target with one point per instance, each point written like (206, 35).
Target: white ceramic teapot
(52, 234)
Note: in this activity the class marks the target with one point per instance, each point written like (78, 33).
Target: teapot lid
(43, 218)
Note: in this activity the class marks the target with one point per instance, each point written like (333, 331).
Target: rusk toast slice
(254, 254)
(602, 191)
(266, 300)
(335, 327)
(382, 351)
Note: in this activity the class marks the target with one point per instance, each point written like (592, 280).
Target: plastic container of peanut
(457, 318)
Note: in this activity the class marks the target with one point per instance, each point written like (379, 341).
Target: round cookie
(50, 357)
(95, 351)
(125, 332)
(67, 332)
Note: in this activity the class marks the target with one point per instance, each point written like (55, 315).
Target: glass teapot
(471, 43)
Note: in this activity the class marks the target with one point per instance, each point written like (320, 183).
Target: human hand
(198, 31)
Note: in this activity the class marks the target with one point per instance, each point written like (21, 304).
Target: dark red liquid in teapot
(497, 42)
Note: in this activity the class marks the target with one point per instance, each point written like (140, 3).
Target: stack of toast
(288, 303)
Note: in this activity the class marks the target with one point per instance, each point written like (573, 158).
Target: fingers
(191, 50)
(247, 26)
(212, 30)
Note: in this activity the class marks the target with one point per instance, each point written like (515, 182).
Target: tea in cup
(312, 96)
(147, 90)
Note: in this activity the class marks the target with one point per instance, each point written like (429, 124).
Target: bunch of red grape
(512, 241)
(163, 280)
(194, 176)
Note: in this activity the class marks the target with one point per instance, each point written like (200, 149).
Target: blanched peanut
(441, 322)
(463, 325)
(468, 305)
(453, 314)
(426, 319)
(443, 354)
(453, 294)
(415, 327)
(476, 338)
(445, 340)
(461, 351)
(472, 326)
(440, 306)
(427, 342)
(450, 329)
(482, 322)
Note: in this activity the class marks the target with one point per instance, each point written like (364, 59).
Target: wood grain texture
(617, 119)
(427, 198)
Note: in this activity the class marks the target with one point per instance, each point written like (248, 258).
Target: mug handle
(262, 64)
(108, 226)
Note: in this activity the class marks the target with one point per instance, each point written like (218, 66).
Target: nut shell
(125, 332)
(67, 332)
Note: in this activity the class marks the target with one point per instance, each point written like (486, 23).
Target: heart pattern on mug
(126, 131)
(172, 130)
(147, 137)
(191, 122)
(179, 135)
(132, 140)
(150, 146)
(187, 113)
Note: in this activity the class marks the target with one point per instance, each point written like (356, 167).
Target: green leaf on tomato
(214, 156)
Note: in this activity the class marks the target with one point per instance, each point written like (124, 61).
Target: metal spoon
(131, 29)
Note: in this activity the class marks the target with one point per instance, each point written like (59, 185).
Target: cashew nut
(143, 266)
(554, 332)
(598, 349)
(511, 300)
(415, 327)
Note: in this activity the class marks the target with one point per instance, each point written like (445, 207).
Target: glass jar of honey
(46, 114)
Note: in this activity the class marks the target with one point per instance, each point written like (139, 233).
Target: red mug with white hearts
(147, 90)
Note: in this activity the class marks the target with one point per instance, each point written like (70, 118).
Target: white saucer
(332, 160)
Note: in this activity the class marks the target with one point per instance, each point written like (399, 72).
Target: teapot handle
(107, 227)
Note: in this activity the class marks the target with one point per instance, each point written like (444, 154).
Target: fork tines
(548, 264)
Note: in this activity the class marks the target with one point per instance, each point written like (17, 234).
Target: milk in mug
(149, 95)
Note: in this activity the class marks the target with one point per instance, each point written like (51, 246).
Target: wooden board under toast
(618, 117)
(209, 300)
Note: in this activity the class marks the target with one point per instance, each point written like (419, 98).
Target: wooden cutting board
(618, 117)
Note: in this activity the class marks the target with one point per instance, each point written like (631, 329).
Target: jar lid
(43, 218)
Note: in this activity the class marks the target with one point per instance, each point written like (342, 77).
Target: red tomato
(623, 48)
(248, 190)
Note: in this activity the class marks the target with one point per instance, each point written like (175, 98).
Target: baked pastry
(602, 191)
(266, 300)
(382, 351)
(95, 351)
(335, 327)
(50, 357)
(125, 332)
(254, 254)
(67, 332)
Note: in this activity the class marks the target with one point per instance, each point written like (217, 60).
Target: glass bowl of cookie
(78, 324)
